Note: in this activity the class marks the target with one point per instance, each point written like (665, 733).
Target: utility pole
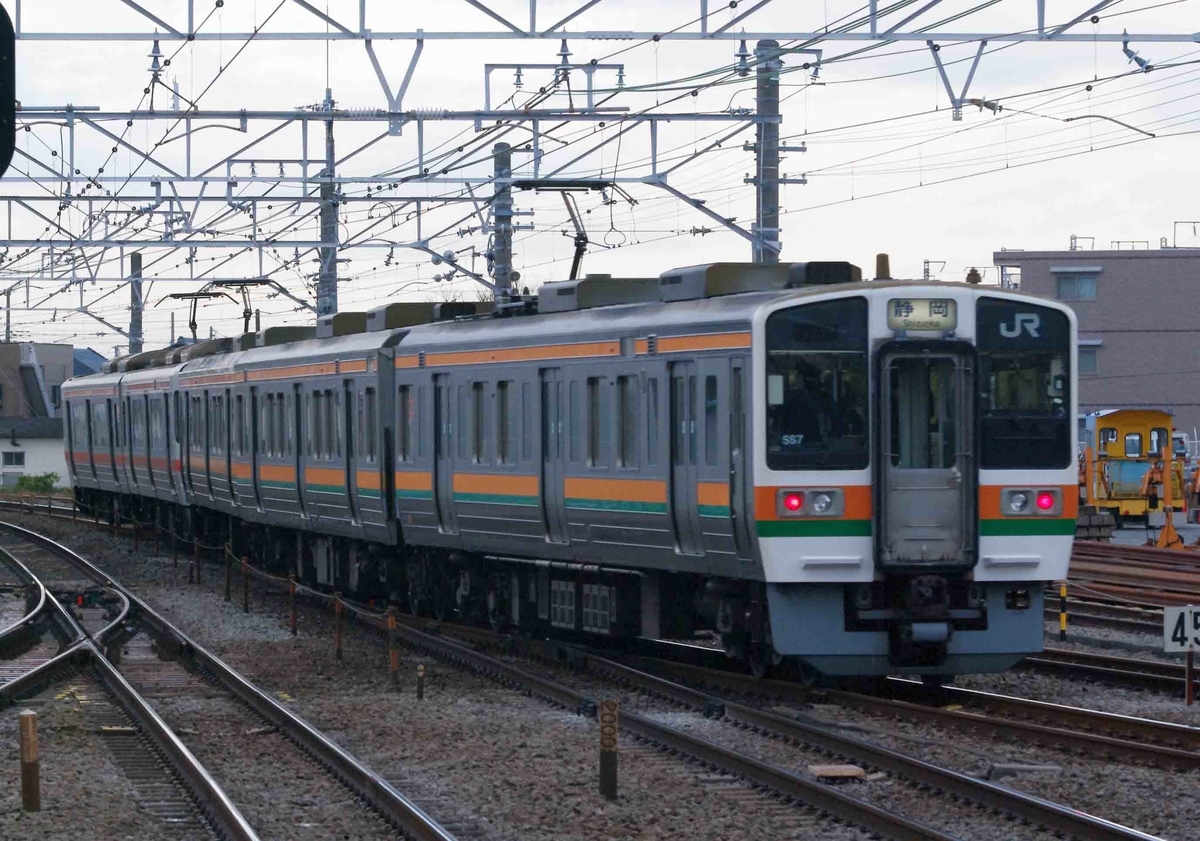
(8, 316)
(135, 303)
(766, 180)
(327, 301)
(502, 216)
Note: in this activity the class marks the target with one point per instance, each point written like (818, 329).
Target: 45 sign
(1181, 628)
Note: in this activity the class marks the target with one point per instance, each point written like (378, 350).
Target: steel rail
(1117, 671)
(32, 614)
(210, 797)
(373, 788)
(785, 782)
(1042, 812)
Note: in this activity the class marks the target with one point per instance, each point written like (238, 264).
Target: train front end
(915, 480)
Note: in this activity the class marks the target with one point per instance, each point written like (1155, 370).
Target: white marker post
(1181, 632)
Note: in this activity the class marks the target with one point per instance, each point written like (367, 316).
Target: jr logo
(1022, 321)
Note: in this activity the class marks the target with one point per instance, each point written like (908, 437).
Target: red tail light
(793, 501)
(1045, 501)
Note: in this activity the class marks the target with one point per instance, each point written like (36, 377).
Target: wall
(57, 363)
(42, 455)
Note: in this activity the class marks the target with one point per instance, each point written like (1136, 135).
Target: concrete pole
(327, 300)
(502, 216)
(135, 303)
(766, 180)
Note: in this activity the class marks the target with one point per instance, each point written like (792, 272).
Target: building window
(1087, 360)
(1075, 287)
(15, 458)
(56, 395)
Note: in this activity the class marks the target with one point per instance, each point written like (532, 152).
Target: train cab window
(1108, 435)
(1159, 439)
(1133, 445)
(627, 417)
(817, 386)
(404, 423)
(506, 423)
(598, 422)
(1024, 385)
(710, 420)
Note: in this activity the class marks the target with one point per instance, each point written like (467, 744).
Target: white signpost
(1181, 632)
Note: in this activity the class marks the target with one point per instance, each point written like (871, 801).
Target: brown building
(1139, 329)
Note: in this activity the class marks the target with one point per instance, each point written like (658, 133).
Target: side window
(627, 417)
(526, 421)
(404, 424)
(1133, 445)
(460, 422)
(478, 422)
(574, 420)
(239, 425)
(737, 413)
(333, 426)
(652, 420)
(314, 425)
(1159, 438)
(419, 411)
(372, 425)
(281, 424)
(710, 420)
(506, 445)
(598, 421)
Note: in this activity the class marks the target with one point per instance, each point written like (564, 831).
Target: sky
(888, 169)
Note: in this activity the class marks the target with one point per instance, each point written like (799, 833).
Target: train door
(739, 510)
(110, 428)
(927, 431)
(255, 447)
(127, 425)
(351, 449)
(148, 438)
(91, 439)
(684, 454)
(443, 465)
(554, 513)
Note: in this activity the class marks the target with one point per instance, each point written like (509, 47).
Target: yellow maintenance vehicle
(1123, 446)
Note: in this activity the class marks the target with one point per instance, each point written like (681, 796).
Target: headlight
(821, 503)
(1018, 502)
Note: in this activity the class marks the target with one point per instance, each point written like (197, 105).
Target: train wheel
(759, 657)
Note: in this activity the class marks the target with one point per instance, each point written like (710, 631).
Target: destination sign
(922, 314)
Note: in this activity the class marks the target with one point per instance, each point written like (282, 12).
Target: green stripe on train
(501, 499)
(413, 494)
(714, 510)
(1032, 527)
(617, 505)
(814, 528)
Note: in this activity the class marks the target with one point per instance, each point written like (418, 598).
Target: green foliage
(41, 484)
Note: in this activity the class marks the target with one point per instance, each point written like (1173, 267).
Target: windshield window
(1024, 385)
(817, 386)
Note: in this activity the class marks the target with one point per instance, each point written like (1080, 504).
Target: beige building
(1138, 323)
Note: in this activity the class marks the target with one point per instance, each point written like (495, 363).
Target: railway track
(1095, 613)
(1134, 672)
(1137, 574)
(169, 667)
(465, 647)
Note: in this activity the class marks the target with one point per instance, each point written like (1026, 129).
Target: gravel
(82, 786)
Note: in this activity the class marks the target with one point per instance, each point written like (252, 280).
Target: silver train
(855, 478)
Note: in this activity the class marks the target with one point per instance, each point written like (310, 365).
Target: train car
(1124, 443)
(846, 477)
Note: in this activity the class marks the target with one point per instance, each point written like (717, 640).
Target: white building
(31, 447)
